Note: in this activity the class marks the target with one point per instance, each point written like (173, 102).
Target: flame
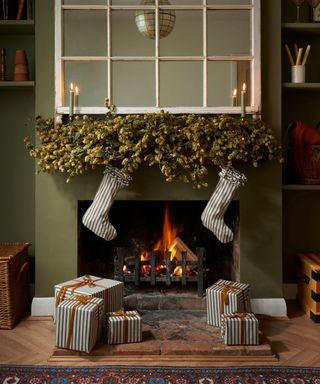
(124, 269)
(178, 271)
(169, 232)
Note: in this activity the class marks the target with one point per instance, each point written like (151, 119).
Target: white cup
(298, 74)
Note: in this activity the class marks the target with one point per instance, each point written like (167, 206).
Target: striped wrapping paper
(226, 296)
(111, 291)
(82, 333)
(240, 329)
(124, 327)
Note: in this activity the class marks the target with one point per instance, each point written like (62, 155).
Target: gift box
(111, 291)
(78, 320)
(225, 297)
(309, 284)
(240, 329)
(124, 327)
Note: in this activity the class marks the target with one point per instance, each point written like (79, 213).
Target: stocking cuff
(116, 174)
(233, 176)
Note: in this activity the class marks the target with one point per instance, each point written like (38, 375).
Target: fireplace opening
(160, 245)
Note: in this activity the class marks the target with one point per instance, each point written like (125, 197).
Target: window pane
(126, 38)
(186, 38)
(85, 2)
(229, 33)
(181, 84)
(232, 2)
(137, 2)
(91, 78)
(85, 33)
(133, 84)
(223, 78)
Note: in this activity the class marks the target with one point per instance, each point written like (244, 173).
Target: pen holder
(298, 73)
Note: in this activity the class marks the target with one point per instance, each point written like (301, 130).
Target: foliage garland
(181, 145)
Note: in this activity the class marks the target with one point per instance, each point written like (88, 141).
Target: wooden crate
(309, 284)
(14, 283)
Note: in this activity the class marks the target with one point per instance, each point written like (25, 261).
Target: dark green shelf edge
(300, 187)
(14, 85)
(17, 26)
(301, 27)
(310, 86)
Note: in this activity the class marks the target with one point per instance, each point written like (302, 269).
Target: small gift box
(240, 329)
(111, 291)
(124, 327)
(226, 297)
(78, 320)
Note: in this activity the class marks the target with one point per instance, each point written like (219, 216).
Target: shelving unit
(17, 27)
(17, 85)
(301, 203)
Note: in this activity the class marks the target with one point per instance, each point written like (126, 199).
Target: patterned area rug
(14, 374)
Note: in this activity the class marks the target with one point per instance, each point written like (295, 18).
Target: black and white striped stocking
(96, 217)
(213, 215)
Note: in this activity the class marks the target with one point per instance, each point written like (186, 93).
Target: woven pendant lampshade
(145, 20)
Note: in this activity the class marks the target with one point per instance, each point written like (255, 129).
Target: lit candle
(234, 98)
(76, 97)
(243, 100)
(71, 101)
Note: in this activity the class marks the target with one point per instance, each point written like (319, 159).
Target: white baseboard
(270, 307)
(290, 291)
(44, 306)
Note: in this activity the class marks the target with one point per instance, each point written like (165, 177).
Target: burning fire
(169, 233)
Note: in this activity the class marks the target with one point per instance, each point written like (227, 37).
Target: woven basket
(308, 168)
(14, 283)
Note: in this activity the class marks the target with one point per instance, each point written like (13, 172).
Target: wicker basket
(308, 168)
(14, 283)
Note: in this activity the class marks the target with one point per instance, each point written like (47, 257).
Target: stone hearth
(176, 333)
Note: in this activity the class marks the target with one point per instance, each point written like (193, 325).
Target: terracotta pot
(21, 72)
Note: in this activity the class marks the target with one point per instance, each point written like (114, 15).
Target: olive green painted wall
(260, 207)
(16, 167)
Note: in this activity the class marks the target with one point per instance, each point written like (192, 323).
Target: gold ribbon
(87, 280)
(242, 317)
(122, 313)
(79, 300)
(226, 289)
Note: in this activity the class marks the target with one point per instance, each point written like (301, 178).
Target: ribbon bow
(87, 280)
(79, 300)
(226, 289)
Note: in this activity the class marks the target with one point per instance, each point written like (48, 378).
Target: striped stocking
(213, 215)
(96, 216)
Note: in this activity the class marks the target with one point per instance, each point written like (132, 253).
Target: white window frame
(255, 88)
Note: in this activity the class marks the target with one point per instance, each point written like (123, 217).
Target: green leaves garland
(183, 146)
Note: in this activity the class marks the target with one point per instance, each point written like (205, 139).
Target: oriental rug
(15, 374)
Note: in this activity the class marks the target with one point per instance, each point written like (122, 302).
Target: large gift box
(226, 297)
(240, 329)
(124, 327)
(309, 284)
(78, 320)
(111, 291)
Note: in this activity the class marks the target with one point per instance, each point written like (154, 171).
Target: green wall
(16, 167)
(260, 200)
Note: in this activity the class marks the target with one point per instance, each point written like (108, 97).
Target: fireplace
(161, 245)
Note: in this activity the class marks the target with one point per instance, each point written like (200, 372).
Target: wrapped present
(77, 322)
(240, 329)
(309, 284)
(124, 327)
(111, 291)
(226, 297)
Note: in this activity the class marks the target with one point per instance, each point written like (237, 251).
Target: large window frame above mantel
(255, 74)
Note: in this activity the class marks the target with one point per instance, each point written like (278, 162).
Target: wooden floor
(295, 341)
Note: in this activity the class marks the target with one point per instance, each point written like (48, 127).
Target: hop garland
(183, 146)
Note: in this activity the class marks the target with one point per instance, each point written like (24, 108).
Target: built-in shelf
(300, 187)
(16, 85)
(307, 86)
(17, 26)
(301, 27)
